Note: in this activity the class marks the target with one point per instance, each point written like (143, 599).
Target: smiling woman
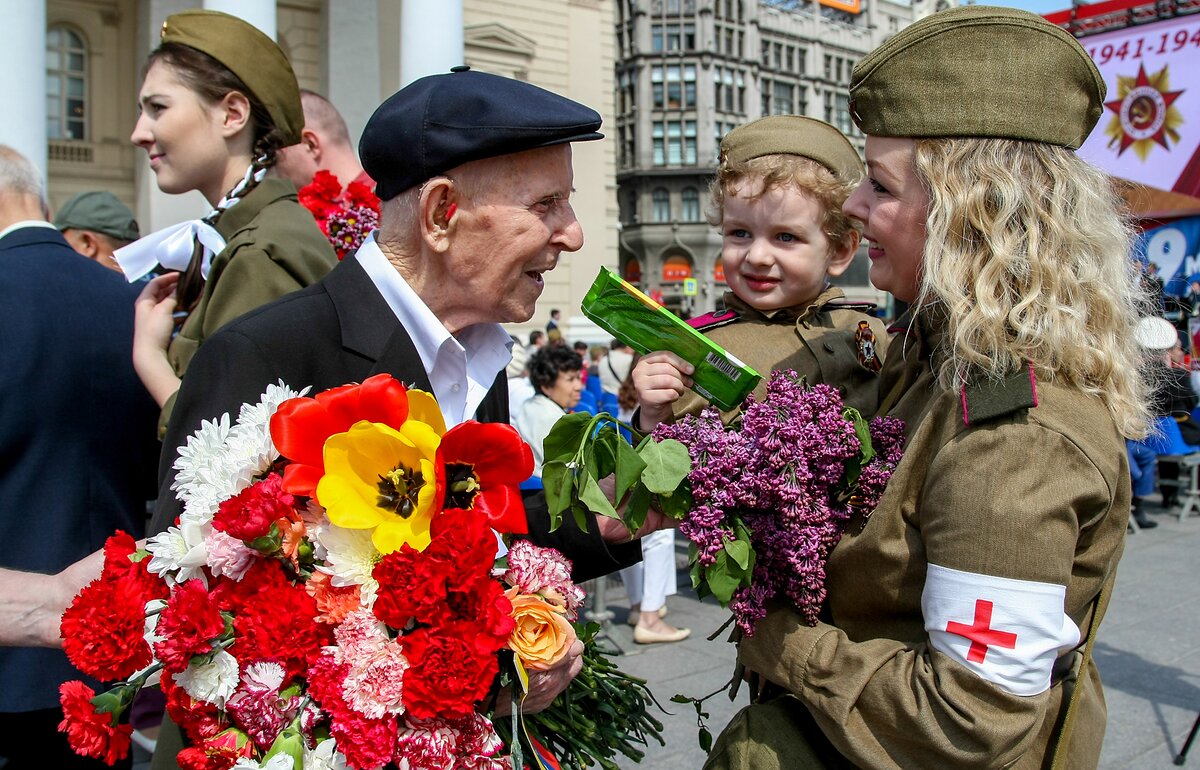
(205, 125)
(957, 614)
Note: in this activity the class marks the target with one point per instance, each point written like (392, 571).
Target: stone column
(431, 37)
(260, 13)
(23, 51)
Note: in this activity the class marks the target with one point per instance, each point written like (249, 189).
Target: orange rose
(542, 635)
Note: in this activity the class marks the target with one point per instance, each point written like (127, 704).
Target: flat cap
(442, 121)
(101, 212)
(248, 53)
(794, 135)
(979, 71)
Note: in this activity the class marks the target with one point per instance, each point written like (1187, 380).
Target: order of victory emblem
(1145, 114)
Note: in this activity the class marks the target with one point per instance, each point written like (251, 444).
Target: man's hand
(614, 530)
(545, 686)
(660, 378)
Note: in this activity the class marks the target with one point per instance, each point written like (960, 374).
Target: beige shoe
(643, 635)
(631, 619)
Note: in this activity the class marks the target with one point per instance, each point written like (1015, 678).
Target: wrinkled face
(507, 235)
(181, 134)
(773, 249)
(893, 205)
(565, 390)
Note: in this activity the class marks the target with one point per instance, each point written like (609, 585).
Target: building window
(660, 210)
(674, 142)
(679, 91)
(691, 204)
(837, 111)
(656, 38)
(66, 84)
(672, 37)
(729, 90)
(782, 94)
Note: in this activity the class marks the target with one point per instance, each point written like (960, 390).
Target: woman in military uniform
(218, 100)
(960, 614)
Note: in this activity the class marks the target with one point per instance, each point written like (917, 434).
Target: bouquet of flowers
(763, 501)
(344, 216)
(332, 597)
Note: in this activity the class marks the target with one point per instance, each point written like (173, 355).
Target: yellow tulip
(382, 479)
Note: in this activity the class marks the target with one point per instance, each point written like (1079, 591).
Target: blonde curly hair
(1027, 250)
(756, 177)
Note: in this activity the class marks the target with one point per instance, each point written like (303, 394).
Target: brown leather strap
(1063, 740)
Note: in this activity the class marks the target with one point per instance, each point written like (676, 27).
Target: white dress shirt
(461, 368)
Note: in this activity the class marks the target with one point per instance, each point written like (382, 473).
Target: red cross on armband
(1010, 639)
(981, 633)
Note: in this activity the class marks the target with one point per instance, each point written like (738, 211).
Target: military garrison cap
(979, 71)
(441, 121)
(794, 135)
(248, 53)
(99, 212)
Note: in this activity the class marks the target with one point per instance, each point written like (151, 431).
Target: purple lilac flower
(779, 472)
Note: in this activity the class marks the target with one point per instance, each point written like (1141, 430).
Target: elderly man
(324, 146)
(96, 224)
(77, 438)
(475, 176)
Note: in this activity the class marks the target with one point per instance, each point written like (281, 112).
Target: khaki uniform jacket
(820, 340)
(1039, 494)
(272, 247)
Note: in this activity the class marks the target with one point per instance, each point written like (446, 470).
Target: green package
(626, 313)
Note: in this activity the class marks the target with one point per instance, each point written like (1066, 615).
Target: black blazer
(77, 428)
(338, 331)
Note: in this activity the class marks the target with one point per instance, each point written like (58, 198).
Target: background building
(689, 71)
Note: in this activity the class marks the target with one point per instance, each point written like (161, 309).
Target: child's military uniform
(828, 340)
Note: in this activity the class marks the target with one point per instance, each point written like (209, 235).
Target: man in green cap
(96, 224)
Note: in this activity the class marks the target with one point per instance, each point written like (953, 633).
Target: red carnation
(484, 466)
(367, 743)
(199, 719)
(219, 758)
(280, 623)
(449, 672)
(118, 565)
(189, 625)
(91, 734)
(103, 629)
(249, 514)
(411, 585)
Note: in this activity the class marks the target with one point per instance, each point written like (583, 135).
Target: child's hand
(660, 378)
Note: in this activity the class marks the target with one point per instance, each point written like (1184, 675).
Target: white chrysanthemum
(212, 681)
(324, 757)
(349, 559)
(178, 555)
(219, 460)
(277, 762)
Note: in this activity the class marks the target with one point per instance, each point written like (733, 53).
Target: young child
(777, 198)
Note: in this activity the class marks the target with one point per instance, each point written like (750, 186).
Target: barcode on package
(723, 366)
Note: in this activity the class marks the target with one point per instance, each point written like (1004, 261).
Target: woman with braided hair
(218, 101)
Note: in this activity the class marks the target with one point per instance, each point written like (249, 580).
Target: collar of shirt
(475, 357)
(26, 223)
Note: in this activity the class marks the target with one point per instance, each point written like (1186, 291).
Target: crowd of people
(1022, 350)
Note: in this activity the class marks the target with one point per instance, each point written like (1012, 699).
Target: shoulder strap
(1063, 739)
(985, 399)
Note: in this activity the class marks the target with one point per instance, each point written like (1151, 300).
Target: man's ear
(311, 142)
(235, 108)
(435, 207)
(89, 244)
(842, 254)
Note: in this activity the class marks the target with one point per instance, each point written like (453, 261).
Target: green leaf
(677, 698)
(862, 429)
(723, 579)
(594, 498)
(559, 483)
(562, 443)
(706, 740)
(677, 504)
(600, 453)
(740, 552)
(636, 507)
(630, 466)
(667, 465)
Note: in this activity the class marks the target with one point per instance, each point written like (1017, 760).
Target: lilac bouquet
(771, 494)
